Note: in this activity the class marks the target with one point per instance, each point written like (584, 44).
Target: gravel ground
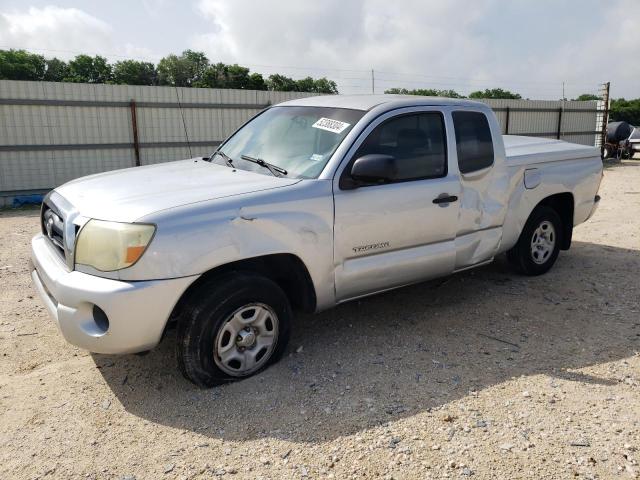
(484, 374)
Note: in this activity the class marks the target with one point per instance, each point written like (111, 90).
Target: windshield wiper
(272, 168)
(227, 158)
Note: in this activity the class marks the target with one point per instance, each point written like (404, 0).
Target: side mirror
(373, 168)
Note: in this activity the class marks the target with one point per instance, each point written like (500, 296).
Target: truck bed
(530, 150)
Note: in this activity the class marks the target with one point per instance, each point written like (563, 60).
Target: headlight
(108, 246)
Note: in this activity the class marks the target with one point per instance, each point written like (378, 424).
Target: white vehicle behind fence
(312, 203)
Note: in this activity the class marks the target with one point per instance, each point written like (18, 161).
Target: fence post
(506, 128)
(605, 117)
(134, 126)
(559, 123)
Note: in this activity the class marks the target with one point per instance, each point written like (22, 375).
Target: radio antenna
(184, 123)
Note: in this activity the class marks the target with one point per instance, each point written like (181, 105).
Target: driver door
(401, 232)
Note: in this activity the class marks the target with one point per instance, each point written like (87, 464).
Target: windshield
(299, 140)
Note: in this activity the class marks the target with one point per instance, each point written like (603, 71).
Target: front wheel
(234, 326)
(539, 243)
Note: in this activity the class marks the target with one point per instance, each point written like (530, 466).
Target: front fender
(194, 239)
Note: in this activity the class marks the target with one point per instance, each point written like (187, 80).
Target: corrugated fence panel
(153, 155)
(540, 118)
(71, 164)
(53, 132)
(26, 171)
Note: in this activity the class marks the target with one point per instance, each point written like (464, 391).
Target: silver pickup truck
(311, 203)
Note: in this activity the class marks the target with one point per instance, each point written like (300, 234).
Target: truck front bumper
(99, 314)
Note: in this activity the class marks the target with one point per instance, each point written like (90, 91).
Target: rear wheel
(539, 243)
(234, 326)
(606, 152)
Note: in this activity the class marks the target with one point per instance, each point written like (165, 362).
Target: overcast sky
(529, 46)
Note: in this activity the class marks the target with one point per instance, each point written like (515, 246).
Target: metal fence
(53, 132)
(572, 121)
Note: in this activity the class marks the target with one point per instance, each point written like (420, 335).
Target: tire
(628, 154)
(234, 326)
(539, 243)
(606, 153)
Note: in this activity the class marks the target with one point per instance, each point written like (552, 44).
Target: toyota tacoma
(311, 203)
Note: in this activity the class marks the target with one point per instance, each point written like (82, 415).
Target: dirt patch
(484, 374)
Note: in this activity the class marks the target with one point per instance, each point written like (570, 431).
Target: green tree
(185, 70)
(427, 92)
(133, 72)
(324, 85)
(21, 65)
(587, 96)
(305, 85)
(397, 91)
(88, 69)
(56, 71)
(189, 69)
(256, 82)
(220, 75)
(214, 76)
(280, 83)
(198, 64)
(237, 76)
(173, 70)
(495, 93)
(625, 111)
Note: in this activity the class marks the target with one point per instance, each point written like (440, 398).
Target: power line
(450, 85)
(472, 83)
(549, 82)
(366, 81)
(467, 81)
(158, 57)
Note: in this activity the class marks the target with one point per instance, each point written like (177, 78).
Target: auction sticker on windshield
(335, 126)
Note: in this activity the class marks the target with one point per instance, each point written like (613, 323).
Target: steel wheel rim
(246, 340)
(543, 242)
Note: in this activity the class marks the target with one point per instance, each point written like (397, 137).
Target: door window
(416, 141)
(473, 141)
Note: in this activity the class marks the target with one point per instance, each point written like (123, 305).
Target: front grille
(60, 222)
(53, 227)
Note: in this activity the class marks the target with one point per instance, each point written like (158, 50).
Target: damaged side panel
(235, 230)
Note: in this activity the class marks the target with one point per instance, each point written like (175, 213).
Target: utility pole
(603, 114)
(373, 82)
(560, 132)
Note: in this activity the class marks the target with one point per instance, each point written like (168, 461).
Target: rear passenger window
(417, 142)
(473, 141)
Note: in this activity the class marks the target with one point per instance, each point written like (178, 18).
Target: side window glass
(473, 141)
(417, 142)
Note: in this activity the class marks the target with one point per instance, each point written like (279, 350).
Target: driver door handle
(445, 198)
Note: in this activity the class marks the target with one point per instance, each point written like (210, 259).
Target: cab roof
(368, 102)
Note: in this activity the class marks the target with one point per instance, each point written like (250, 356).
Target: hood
(127, 195)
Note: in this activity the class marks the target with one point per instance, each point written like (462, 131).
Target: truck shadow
(408, 351)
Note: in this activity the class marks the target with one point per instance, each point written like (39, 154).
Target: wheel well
(287, 270)
(562, 203)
